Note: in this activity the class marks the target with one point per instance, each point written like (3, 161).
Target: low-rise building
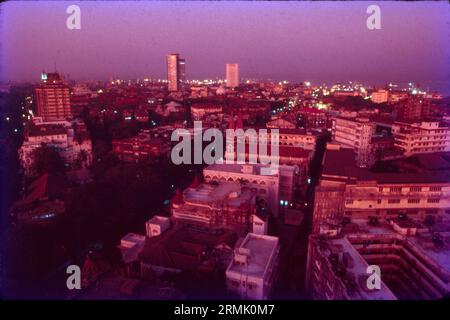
(346, 192)
(140, 148)
(265, 186)
(214, 206)
(412, 260)
(421, 137)
(380, 96)
(253, 269)
(70, 139)
(157, 225)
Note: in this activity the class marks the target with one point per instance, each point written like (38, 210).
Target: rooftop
(340, 164)
(259, 250)
(181, 248)
(158, 220)
(46, 130)
(237, 168)
(231, 194)
(358, 267)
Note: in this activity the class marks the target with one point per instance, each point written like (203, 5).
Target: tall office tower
(176, 71)
(182, 70)
(232, 75)
(53, 98)
(173, 74)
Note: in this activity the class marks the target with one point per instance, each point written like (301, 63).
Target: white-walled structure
(253, 269)
(260, 225)
(266, 186)
(156, 226)
(421, 137)
(355, 133)
(70, 139)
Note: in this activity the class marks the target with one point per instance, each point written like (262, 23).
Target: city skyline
(275, 40)
(225, 151)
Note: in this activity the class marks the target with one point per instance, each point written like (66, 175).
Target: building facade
(380, 96)
(253, 269)
(176, 72)
(53, 98)
(232, 75)
(69, 139)
(346, 193)
(421, 137)
(355, 133)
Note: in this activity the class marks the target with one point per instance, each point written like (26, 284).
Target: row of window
(392, 201)
(411, 189)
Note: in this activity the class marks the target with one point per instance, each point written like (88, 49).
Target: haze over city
(322, 42)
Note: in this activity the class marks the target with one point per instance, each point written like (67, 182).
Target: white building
(253, 269)
(70, 139)
(260, 224)
(421, 137)
(156, 226)
(266, 186)
(355, 133)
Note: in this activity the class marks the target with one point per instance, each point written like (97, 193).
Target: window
(433, 200)
(380, 189)
(379, 201)
(395, 189)
(413, 200)
(394, 201)
(415, 189)
(349, 201)
(435, 188)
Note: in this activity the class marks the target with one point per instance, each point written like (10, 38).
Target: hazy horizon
(321, 42)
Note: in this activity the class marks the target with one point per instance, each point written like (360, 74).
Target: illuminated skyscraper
(232, 75)
(53, 98)
(176, 71)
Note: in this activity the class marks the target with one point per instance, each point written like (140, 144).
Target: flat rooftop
(422, 240)
(158, 220)
(340, 164)
(261, 248)
(237, 168)
(359, 267)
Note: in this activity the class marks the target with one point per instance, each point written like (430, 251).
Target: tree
(46, 159)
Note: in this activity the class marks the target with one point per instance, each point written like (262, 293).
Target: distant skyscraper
(176, 71)
(53, 98)
(182, 70)
(232, 75)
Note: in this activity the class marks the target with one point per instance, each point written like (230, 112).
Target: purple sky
(285, 40)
